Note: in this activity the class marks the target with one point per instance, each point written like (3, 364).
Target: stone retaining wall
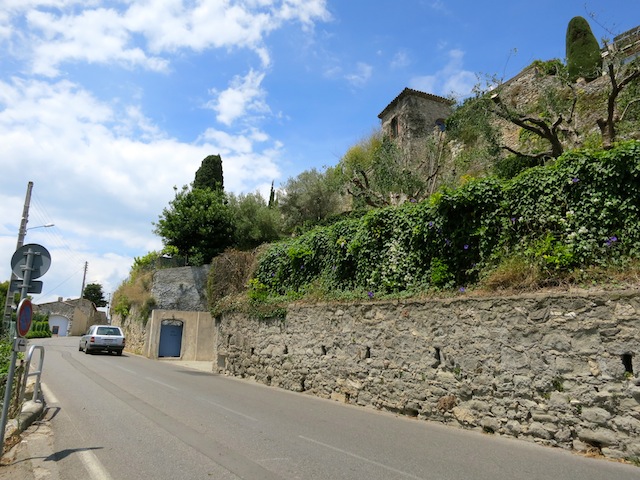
(182, 288)
(557, 369)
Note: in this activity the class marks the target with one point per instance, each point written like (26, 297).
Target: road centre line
(358, 457)
(235, 412)
(162, 383)
(222, 407)
(125, 369)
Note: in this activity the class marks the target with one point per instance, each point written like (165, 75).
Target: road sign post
(28, 262)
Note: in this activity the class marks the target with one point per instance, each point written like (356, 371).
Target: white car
(102, 338)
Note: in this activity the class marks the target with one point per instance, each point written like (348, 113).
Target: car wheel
(119, 353)
(79, 348)
(86, 350)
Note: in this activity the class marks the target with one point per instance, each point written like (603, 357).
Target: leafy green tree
(255, 221)
(198, 223)
(376, 173)
(624, 76)
(93, 292)
(272, 197)
(307, 199)
(209, 175)
(547, 121)
(583, 51)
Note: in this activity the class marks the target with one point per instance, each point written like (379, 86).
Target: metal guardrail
(38, 373)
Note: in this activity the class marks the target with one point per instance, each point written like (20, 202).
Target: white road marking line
(235, 412)
(162, 383)
(48, 394)
(125, 369)
(89, 461)
(93, 466)
(358, 457)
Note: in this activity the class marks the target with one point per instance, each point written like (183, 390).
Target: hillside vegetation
(533, 183)
(548, 226)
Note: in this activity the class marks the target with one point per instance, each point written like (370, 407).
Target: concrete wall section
(198, 334)
(559, 370)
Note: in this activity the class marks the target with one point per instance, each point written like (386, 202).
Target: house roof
(69, 302)
(415, 93)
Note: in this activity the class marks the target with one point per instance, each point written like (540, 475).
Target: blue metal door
(170, 340)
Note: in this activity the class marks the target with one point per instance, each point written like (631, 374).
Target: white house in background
(71, 317)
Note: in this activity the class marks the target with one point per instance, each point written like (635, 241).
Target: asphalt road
(128, 417)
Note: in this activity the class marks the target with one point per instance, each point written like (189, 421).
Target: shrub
(39, 330)
(579, 212)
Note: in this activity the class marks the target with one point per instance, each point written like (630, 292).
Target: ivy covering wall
(580, 211)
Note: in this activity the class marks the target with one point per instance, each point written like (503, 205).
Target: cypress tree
(583, 51)
(209, 175)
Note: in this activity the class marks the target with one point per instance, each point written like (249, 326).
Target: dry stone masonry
(558, 370)
(181, 288)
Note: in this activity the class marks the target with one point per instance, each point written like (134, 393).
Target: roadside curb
(31, 411)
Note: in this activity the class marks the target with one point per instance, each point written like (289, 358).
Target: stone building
(413, 115)
(71, 317)
(627, 44)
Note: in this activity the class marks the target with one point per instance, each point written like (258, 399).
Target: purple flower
(370, 294)
(462, 289)
(575, 180)
(413, 200)
(611, 240)
(513, 220)
(447, 241)
(430, 224)
(466, 247)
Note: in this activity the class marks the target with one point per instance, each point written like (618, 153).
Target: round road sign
(41, 260)
(24, 316)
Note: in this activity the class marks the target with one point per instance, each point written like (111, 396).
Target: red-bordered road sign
(24, 317)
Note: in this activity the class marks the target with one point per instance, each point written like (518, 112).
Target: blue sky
(107, 104)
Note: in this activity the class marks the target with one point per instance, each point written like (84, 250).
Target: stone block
(599, 437)
(596, 416)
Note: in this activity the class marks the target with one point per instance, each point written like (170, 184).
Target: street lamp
(23, 231)
(46, 225)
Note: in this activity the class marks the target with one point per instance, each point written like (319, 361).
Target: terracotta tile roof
(416, 93)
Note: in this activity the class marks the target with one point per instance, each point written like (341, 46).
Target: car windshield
(108, 331)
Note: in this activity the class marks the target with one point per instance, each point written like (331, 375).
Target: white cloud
(361, 75)
(306, 11)
(452, 79)
(104, 172)
(400, 60)
(104, 167)
(139, 35)
(244, 96)
(94, 36)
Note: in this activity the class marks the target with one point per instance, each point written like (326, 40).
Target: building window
(394, 127)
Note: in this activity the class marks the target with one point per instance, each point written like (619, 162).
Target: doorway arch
(170, 338)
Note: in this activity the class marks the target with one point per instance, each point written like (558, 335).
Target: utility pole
(84, 279)
(6, 317)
